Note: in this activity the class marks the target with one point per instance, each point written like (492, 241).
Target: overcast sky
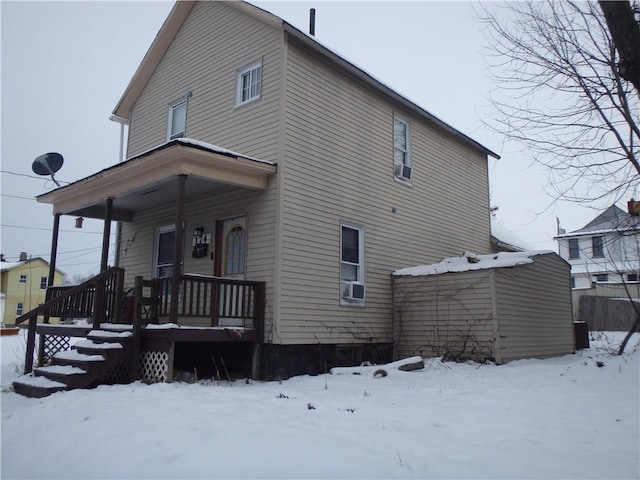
(66, 64)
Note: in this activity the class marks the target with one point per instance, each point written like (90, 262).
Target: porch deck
(145, 329)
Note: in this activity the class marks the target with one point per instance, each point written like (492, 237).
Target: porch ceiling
(150, 179)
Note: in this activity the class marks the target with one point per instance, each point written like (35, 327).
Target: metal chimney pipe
(312, 22)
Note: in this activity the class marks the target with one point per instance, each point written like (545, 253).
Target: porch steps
(81, 367)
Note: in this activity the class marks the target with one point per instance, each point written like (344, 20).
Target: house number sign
(201, 243)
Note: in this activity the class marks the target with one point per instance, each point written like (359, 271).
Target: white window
(352, 264)
(19, 309)
(177, 123)
(23, 279)
(603, 277)
(43, 283)
(163, 258)
(249, 83)
(401, 149)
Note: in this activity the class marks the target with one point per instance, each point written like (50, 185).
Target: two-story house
(604, 257)
(23, 285)
(256, 154)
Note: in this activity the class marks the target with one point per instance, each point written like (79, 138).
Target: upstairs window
(632, 277)
(603, 277)
(19, 309)
(574, 248)
(596, 247)
(43, 283)
(249, 83)
(23, 279)
(401, 149)
(177, 123)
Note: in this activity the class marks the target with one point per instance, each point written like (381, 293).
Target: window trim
(170, 114)
(44, 281)
(156, 247)
(600, 247)
(577, 249)
(23, 279)
(360, 272)
(240, 73)
(407, 162)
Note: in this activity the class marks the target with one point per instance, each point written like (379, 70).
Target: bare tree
(623, 21)
(563, 92)
(559, 92)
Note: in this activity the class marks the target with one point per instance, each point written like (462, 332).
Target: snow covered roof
(613, 219)
(469, 261)
(4, 266)
(505, 238)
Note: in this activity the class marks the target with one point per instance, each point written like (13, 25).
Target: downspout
(122, 122)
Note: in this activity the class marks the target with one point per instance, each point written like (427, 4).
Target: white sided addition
(501, 307)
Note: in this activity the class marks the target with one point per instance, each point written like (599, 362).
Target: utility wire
(16, 196)
(50, 229)
(32, 176)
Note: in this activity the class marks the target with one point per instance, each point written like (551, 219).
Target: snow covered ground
(561, 418)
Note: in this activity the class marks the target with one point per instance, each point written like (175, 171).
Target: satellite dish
(48, 164)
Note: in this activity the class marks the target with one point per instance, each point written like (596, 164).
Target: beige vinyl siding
(213, 43)
(534, 309)
(338, 166)
(138, 237)
(452, 314)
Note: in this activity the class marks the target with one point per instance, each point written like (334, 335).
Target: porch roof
(148, 179)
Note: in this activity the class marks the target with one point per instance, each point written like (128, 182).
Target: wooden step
(36, 387)
(72, 377)
(106, 336)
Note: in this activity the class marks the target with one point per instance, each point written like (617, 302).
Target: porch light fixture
(79, 221)
(198, 231)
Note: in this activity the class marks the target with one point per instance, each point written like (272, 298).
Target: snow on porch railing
(236, 301)
(104, 292)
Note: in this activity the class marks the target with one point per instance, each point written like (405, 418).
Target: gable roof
(613, 219)
(6, 266)
(181, 11)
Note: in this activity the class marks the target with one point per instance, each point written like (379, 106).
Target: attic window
(249, 83)
(23, 279)
(177, 123)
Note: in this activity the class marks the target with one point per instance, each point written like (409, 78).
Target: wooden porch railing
(238, 301)
(99, 298)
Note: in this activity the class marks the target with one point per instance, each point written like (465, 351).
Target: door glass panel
(235, 251)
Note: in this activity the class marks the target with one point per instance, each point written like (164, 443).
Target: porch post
(54, 255)
(178, 247)
(106, 233)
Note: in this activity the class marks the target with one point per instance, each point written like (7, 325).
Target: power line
(31, 176)
(50, 229)
(17, 196)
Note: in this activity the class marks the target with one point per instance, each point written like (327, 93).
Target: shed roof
(469, 261)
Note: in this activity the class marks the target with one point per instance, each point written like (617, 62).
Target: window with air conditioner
(352, 286)
(401, 149)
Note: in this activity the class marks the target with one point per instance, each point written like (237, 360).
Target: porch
(140, 320)
(132, 337)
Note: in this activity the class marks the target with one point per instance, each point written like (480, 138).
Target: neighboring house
(23, 285)
(503, 306)
(255, 154)
(604, 256)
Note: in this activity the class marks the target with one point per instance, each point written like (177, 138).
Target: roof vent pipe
(312, 22)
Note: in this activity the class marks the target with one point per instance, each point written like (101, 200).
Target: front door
(232, 252)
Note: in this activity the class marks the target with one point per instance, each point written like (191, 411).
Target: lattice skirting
(154, 367)
(52, 345)
(119, 374)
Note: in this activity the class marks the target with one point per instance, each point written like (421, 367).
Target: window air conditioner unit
(352, 291)
(402, 171)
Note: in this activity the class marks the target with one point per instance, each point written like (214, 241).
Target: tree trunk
(634, 328)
